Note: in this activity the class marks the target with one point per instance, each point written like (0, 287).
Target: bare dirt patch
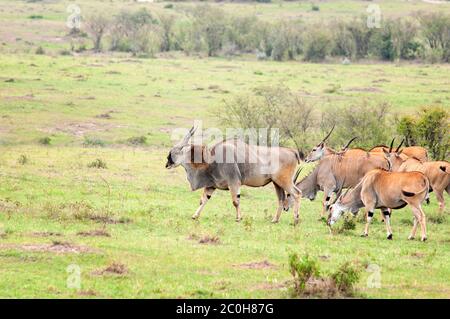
(365, 89)
(82, 128)
(205, 239)
(46, 234)
(55, 247)
(113, 269)
(87, 293)
(94, 233)
(265, 264)
(270, 286)
(109, 220)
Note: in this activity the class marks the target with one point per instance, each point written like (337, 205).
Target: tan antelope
(336, 171)
(385, 190)
(230, 164)
(437, 173)
(411, 151)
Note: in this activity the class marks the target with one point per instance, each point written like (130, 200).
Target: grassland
(55, 211)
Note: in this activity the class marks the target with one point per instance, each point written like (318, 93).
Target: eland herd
(380, 178)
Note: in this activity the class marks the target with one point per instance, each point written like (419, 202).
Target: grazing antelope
(437, 172)
(410, 151)
(230, 164)
(336, 171)
(383, 189)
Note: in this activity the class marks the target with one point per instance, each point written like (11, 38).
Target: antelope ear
(443, 168)
(399, 152)
(386, 153)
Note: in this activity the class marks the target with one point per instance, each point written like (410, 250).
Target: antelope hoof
(427, 201)
(364, 235)
(238, 219)
(295, 221)
(274, 221)
(389, 237)
(194, 217)
(424, 239)
(410, 237)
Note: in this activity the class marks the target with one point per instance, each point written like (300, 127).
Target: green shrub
(302, 269)
(98, 163)
(318, 45)
(96, 142)
(23, 159)
(346, 277)
(137, 140)
(45, 140)
(40, 50)
(315, 7)
(35, 17)
(429, 128)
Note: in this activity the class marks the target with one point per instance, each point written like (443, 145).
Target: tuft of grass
(93, 142)
(36, 17)
(436, 218)
(346, 277)
(137, 140)
(40, 51)
(45, 140)
(315, 7)
(98, 163)
(23, 159)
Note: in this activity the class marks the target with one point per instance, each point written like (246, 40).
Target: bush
(271, 107)
(98, 163)
(137, 140)
(135, 32)
(40, 50)
(95, 142)
(345, 278)
(436, 31)
(97, 26)
(35, 17)
(23, 159)
(370, 122)
(429, 128)
(302, 269)
(45, 140)
(318, 45)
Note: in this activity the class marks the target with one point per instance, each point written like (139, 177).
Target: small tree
(97, 26)
(369, 122)
(272, 108)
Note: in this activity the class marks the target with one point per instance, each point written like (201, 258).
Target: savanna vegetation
(86, 118)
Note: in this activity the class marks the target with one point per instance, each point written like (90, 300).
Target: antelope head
(181, 151)
(318, 151)
(338, 207)
(393, 157)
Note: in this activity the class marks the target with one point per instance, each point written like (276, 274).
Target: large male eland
(231, 163)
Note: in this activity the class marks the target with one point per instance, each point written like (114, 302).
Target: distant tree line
(210, 31)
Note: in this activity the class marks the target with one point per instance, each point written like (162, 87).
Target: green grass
(56, 192)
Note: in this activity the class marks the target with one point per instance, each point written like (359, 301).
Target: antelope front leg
(325, 205)
(281, 198)
(236, 197)
(207, 192)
